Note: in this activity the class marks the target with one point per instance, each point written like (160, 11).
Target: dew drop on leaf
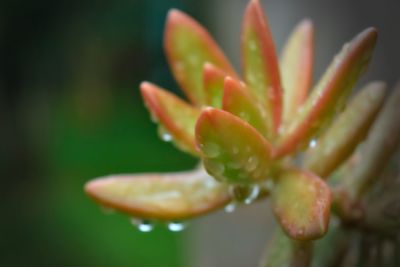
(231, 207)
(142, 225)
(164, 134)
(210, 150)
(176, 226)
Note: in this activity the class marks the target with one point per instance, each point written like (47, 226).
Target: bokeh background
(70, 110)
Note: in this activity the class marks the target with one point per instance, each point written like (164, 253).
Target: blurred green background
(70, 110)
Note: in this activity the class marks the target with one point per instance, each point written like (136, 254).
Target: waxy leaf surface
(238, 101)
(232, 150)
(260, 64)
(170, 196)
(301, 202)
(350, 128)
(213, 81)
(176, 117)
(297, 68)
(383, 140)
(188, 47)
(284, 251)
(330, 94)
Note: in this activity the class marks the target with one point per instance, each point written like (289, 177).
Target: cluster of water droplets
(146, 226)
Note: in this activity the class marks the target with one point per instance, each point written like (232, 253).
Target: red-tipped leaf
(232, 150)
(213, 82)
(176, 117)
(297, 68)
(260, 64)
(301, 202)
(170, 196)
(330, 94)
(238, 101)
(347, 131)
(188, 47)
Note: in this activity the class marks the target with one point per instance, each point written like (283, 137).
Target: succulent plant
(266, 135)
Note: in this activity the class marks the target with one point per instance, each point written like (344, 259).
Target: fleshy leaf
(232, 150)
(297, 68)
(176, 117)
(330, 94)
(351, 127)
(260, 64)
(239, 102)
(284, 251)
(382, 142)
(171, 196)
(301, 201)
(188, 47)
(213, 81)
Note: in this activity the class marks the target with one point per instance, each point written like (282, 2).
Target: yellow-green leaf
(232, 150)
(188, 47)
(297, 68)
(330, 94)
(239, 102)
(260, 64)
(170, 196)
(347, 131)
(301, 202)
(213, 81)
(177, 118)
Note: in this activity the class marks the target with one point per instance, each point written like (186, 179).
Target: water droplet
(176, 226)
(253, 45)
(164, 134)
(215, 168)
(251, 163)
(235, 150)
(244, 115)
(235, 165)
(211, 150)
(252, 194)
(313, 143)
(231, 207)
(193, 59)
(142, 225)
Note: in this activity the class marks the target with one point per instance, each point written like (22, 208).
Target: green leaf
(297, 68)
(177, 119)
(347, 131)
(301, 202)
(232, 150)
(239, 102)
(260, 64)
(169, 196)
(213, 80)
(330, 94)
(188, 47)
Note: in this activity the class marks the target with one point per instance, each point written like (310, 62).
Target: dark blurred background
(70, 111)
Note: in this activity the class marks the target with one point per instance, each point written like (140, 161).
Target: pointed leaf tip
(176, 118)
(188, 46)
(239, 102)
(170, 196)
(347, 131)
(297, 68)
(330, 93)
(301, 201)
(260, 64)
(232, 150)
